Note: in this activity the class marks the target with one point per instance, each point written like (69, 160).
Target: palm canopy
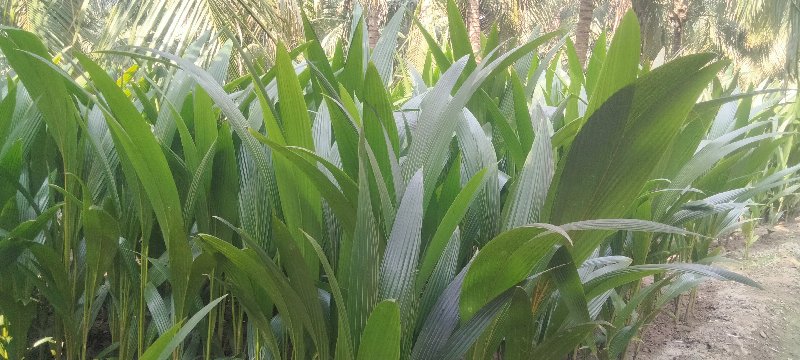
(746, 31)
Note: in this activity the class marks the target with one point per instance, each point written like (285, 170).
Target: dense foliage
(761, 37)
(495, 204)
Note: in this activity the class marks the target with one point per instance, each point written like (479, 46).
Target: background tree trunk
(678, 17)
(376, 16)
(651, 21)
(585, 15)
(620, 8)
(474, 25)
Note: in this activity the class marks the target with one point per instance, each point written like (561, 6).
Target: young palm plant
(353, 207)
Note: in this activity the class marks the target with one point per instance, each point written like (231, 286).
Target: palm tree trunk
(376, 15)
(474, 25)
(678, 18)
(585, 15)
(652, 27)
(620, 8)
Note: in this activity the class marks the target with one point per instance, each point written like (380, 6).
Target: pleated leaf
(133, 137)
(520, 250)
(529, 191)
(402, 250)
(617, 150)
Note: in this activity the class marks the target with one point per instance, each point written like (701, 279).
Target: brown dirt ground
(733, 321)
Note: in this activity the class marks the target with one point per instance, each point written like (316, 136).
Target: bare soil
(733, 321)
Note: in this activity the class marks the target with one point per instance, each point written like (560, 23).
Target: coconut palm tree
(376, 12)
(473, 21)
(677, 18)
(769, 21)
(168, 25)
(585, 16)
